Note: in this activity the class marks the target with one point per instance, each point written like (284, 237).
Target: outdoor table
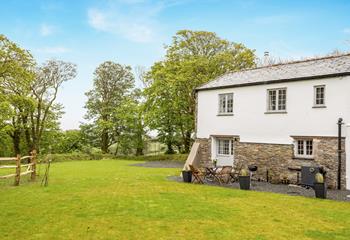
(211, 171)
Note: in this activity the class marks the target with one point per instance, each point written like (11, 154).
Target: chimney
(266, 61)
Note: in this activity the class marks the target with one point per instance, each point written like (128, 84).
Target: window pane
(272, 100)
(300, 147)
(220, 147)
(282, 99)
(222, 103)
(226, 147)
(231, 147)
(230, 103)
(309, 147)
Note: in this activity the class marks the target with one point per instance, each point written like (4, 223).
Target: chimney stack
(266, 58)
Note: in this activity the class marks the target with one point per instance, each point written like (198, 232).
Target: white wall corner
(347, 151)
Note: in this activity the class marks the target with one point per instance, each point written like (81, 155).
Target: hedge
(98, 156)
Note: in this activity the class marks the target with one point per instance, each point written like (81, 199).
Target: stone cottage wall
(279, 160)
(205, 151)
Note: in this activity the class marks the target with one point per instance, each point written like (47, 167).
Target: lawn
(109, 199)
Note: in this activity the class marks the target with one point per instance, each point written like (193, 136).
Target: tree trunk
(187, 142)
(104, 141)
(139, 151)
(16, 139)
(28, 138)
(170, 149)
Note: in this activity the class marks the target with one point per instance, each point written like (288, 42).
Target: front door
(224, 151)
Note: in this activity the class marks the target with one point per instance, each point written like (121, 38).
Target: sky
(134, 32)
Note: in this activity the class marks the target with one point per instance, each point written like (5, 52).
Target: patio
(289, 189)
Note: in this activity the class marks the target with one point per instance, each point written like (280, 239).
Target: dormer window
(226, 104)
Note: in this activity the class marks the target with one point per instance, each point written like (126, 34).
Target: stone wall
(278, 159)
(273, 158)
(205, 151)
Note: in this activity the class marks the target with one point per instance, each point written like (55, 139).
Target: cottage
(278, 117)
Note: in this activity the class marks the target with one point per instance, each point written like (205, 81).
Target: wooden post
(18, 170)
(33, 161)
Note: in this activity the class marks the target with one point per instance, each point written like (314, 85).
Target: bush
(78, 156)
(75, 156)
(161, 157)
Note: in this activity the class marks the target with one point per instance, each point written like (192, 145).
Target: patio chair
(197, 174)
(224, 176)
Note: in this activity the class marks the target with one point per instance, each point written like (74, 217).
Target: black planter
(244, 182)
(187, 176)
(320, 190)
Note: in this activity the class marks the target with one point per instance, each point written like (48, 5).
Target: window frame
(230, 147)
(305, 148)
(316, 105)
(226, 101)
(277, 100)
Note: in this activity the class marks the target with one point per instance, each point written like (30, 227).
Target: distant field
(108, 199)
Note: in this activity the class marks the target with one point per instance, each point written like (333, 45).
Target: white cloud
(346, 30)
(46, 30)
(54, 50)
(136, 30)
(135, 20)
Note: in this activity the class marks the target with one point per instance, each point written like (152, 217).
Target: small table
(210, 172)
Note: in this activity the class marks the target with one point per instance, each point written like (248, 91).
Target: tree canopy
(193, 58)
(113, 82)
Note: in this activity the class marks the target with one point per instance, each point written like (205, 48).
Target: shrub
(161, 157)
(95, 155)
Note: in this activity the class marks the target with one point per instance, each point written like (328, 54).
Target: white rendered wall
(252, 124)
(347, 149)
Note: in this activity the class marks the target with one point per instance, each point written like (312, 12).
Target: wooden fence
(31, 167)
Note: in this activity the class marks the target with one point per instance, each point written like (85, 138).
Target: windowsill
(319, 106)
(223, 155)
(276, 112)
(303, 158)
(224, 114)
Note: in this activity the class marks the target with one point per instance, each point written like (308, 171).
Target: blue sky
(133, 32)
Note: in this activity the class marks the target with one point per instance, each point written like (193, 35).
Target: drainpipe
(340, 123)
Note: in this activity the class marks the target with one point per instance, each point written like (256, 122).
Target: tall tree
(112, 83)
(193, 58)
(16, 76)
(49, 78)
(129, 125)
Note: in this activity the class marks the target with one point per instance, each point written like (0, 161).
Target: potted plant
(187, 175)
(320, 186)
(244, 179)
(215, 162)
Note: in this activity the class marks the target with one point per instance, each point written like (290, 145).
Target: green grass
(109, 199)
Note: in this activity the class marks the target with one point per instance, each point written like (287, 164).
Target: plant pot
(244, 182)
(320, 190)
(187, 176)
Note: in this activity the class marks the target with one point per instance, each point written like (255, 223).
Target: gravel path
(160, 164)
(293, 190)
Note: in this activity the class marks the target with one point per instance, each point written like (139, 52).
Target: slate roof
(300, 70)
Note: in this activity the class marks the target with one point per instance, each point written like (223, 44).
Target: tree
(69, 141)
(49, 78)
(129, 125)
(16, 75)
(193, 58)
(112, 83)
